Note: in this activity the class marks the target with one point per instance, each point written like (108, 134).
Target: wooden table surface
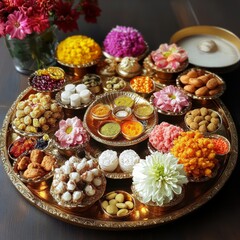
(157, 21)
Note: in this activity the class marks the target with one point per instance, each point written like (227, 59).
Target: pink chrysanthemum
(17, 25)
(169, 56)
(71, 133)
(124, 42)
(170, 99)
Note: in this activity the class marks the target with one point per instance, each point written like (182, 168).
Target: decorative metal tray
(143, 216)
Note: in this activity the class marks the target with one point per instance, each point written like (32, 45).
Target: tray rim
(54, 211)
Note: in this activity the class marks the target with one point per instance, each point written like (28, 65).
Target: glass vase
(34, 51)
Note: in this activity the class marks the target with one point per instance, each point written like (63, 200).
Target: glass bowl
(222, 144)
(117, 204)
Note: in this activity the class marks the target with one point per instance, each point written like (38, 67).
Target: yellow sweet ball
(78, 50)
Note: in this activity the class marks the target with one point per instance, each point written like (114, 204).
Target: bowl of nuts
(93, 82)
(117, 204)
(205, 120)
(114, 84)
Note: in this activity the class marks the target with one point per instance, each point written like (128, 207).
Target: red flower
(66, 17)
(41, 14)
(91, 10)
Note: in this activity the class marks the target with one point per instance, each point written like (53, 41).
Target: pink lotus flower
(71, 133)
(170, 99)
(17, 25)
(169, 56)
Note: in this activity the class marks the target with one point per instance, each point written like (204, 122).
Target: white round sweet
(108, 160)
(127, 159)
(75, 176)
(71, 185)
(77, 195)
(85, 96)
(60, 188)
(65, 97)
(90, 190)
(75, 100)
(97, 181)
(70, 88)
(66, 196)
(80, 87)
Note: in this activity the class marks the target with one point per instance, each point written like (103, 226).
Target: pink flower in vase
(71, 133)
(17, 25)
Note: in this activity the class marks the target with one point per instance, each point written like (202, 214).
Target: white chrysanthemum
(158, 178)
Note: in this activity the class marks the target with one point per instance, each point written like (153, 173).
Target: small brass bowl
(123, 100)
(109, 129)
(117, 204)
(100, 111)
(130, 126)
(121, 112)
(138, 80)
(143, 111)
(114, 84)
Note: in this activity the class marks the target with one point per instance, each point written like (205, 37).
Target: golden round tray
(143, 216)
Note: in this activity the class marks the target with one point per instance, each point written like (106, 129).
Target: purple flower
(124, 42)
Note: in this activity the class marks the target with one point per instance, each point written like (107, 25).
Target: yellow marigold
(78, 50)
(196, 153)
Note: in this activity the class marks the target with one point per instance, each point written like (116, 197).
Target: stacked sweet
(71, 133)
(75, 95)
(124, 41)
(78, 182)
